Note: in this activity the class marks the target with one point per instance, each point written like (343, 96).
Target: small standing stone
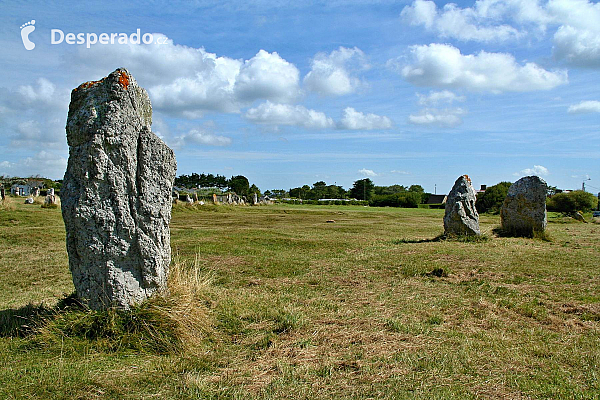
(50, 199)
(29, 200)
(461, 217)
(255, 199)
(524, 209)
(35, 192)
(2, 193)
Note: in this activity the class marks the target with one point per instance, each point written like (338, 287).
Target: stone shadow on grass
(26, 320)
(446, 238)
(499, 231)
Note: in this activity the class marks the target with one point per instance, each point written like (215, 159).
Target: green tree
(254, 189)
(239, 184)
(491, 200)
(362, 189)
(416, 189)
(569, 203)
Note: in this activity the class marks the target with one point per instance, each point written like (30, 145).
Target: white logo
(26, 29)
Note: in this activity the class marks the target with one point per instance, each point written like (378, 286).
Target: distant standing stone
(2, 193)
(461, 217)
(116, 194)
(524, 209)
(50, 199)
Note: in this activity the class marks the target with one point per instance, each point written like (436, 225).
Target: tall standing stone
(524, 209)
(461, 217)
(2, 193)
(116, 194)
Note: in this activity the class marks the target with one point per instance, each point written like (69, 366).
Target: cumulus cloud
(478, 23)
(367, 172)
(580, 47)
(267, 76)
(188, 82)
(434, 98)
(332, 74)
(443, 65)
(197, 136)
(50, 164)
(537, 170)
(355, 120)
(445, 118)
(576, 39)
(34, 115)
(585, 107)
(284, 114)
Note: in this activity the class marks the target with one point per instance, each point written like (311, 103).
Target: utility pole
(583, 183)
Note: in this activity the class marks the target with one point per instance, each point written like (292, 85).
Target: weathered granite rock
(255, 199)
(2, 193)
(524, 209)
(461, 217)
(29, 200)
(116, 194)
(35, 192)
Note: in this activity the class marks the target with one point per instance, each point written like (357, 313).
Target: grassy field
(274, 302)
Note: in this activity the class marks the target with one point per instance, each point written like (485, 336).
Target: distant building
(21, 190)
(437, 199)
(482, 190)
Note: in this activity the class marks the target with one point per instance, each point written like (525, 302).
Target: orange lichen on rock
(87, 85)
(467, 178)
(124, 80)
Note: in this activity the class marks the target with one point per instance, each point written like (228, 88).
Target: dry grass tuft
(7, 204)
(186, 301)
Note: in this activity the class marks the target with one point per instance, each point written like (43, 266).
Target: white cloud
(580, 47)
(434, 98)
(355, 120)
(576, 40)
(446, 118)
(332, 74)
(46, 163)
(443, 65)
(479, 23)
(395, 171)
(186, 81)
(537, 170)
(284, 114)
(584, 107)
(197, 136)
(367, 172)
(267, 76)
(34, 115)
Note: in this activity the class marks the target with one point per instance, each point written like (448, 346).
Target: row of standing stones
(116, 196)
(523, 212)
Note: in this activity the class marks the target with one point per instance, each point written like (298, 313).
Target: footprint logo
(26, 29)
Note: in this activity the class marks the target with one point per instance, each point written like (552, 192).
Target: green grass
(273, 302)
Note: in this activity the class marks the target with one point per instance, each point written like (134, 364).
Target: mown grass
(273, 302)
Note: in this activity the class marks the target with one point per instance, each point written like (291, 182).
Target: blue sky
(289, 93)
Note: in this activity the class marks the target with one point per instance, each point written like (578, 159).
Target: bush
(569, 203)
(491, 200)
(406, 200)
